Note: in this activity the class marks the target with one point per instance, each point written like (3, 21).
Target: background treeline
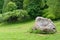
(21, 10)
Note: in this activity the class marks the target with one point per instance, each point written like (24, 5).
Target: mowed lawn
(20, 31)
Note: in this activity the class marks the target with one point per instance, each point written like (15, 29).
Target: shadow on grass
(43, 33)
(14, 23)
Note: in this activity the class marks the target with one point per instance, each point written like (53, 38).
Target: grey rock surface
(44, 25)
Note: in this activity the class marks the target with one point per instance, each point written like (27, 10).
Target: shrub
(22, 15)
(49, 13)
(10, 7)
(57, 9)
(51, 16)
(54, 8)
(16, 15)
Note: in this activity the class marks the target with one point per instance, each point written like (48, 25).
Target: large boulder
(44, 25)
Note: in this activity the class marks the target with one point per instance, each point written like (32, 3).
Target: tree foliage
(19, 3)
(1, 5)
(34, 7)
(45, 8)
(57, 9)
(4, 5)
(10, 7)
(54, 8)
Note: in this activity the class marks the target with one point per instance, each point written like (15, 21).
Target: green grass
(20, 31)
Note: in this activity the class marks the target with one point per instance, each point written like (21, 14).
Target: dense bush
(49, 13)
(16, 15)
(53, 10)
(57, 9)
(50, 16)
(34, 7)
(10, 7)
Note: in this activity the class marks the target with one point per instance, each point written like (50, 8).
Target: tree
(5, 4)
(34, 7)
(54, 8)
(1, 5)
(19, 3)
(10, 7)
(57, 9)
